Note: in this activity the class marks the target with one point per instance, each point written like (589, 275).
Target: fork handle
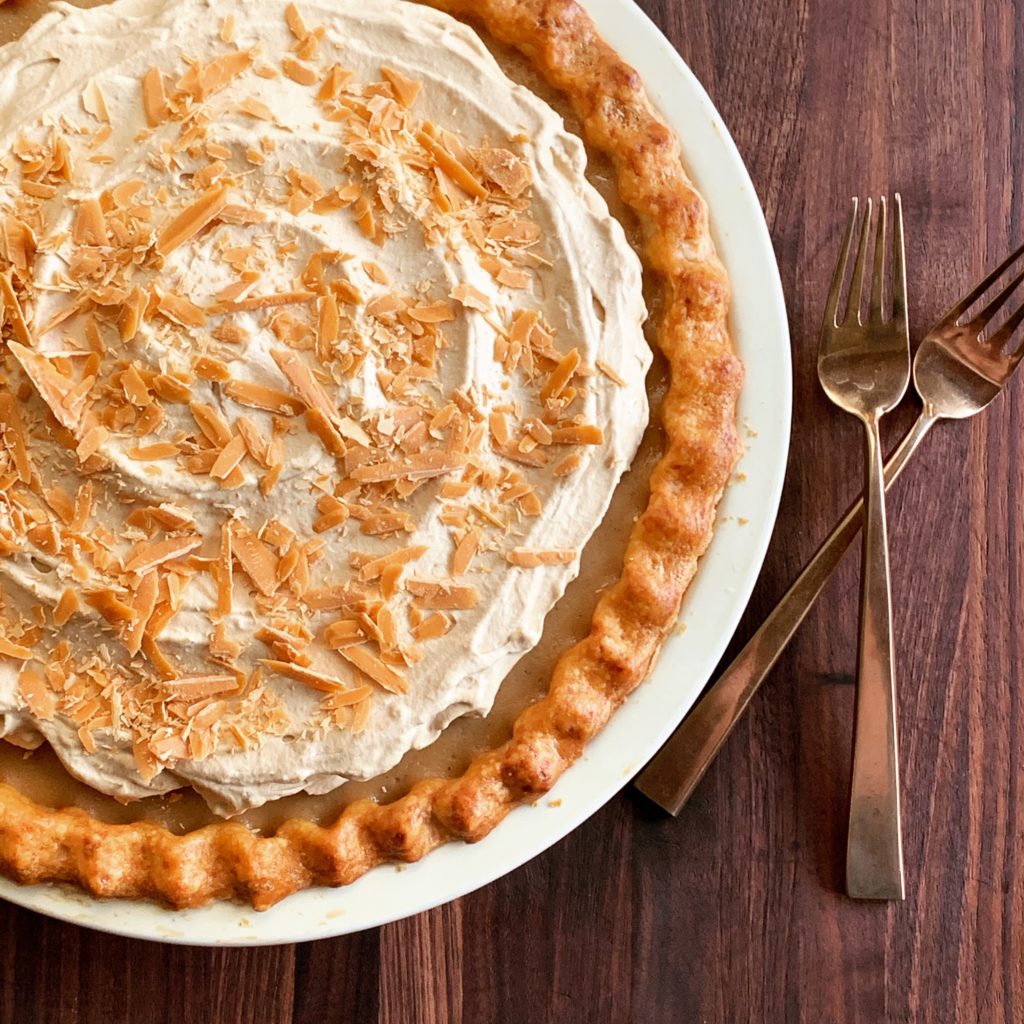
(874, 848)
(673, 773)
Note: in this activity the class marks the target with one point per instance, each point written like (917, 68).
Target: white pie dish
(712, 609)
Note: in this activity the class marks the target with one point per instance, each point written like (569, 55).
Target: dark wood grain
(733, 912)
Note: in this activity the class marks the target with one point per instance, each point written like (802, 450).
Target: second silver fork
(864, 368)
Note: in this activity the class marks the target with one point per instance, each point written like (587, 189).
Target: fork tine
(832, 303)
(899, 266)
(1002, 337)
(878, 265)
(981, 320)
(979, 289)
(853, 303)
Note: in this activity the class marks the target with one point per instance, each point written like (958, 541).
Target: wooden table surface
(733, 912)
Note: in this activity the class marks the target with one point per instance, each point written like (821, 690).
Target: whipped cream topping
(322, 363)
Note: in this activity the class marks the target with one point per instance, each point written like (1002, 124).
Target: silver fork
(957, 373)
(864, 368)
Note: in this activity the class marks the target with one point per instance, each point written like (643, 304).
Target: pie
(322, 360)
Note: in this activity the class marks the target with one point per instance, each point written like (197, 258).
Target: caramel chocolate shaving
(263, 301)
(64, 398)
(12, 431)
(80, 305)
(373, 569)
(271, 477)
(171, 517)
(110, 606)
(45, 537)
(234, 213)
(222, 70)
(465, 551)
(258, 446)
(123, 194)
(405, 89)
(434, 594)
(609, 372)
(171, 389)
(434, 626)
(225, 572)
(343, 596)
(285, 646)
(421, 466)
(471, 297)
(154, 98)
(301, 378)
(505, 169)
(34, 691)
(134, 387)
(307, 676)
(584, 433)
(9, 649)
(154, 452)
(153, 651)
(223, 647)
(38, 189)
(348, 427)
(142, 604)
(90, 226)
(181, 311)
(510, 278)
(191, 220)
(539, 431)
(148, 554)
(434, 313)
(500, 428)
(67, 606)
(256, 108)
(12, 308)
(568, 465)
(208, 368)
(18, 243)
(296, 25)
(327, 323)
(229, 458)
(326, 432)
(370, 665)
(255, 557)
(450, 164)
(383, 523)
(331, 520)
(259, 396)
(298, 72)
(201, 686)
(533, 558)
(560, 376)
(211, 423)
(131, 314)
(356, 695)
(384, 305)
(60, 502)
(337, 78)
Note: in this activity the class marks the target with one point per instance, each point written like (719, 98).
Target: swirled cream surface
(321, 361)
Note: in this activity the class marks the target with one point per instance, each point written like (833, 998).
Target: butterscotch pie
(323, 356)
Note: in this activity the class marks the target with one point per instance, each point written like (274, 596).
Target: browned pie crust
(632, 618)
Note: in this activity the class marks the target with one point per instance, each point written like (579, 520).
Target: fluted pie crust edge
(632, 618)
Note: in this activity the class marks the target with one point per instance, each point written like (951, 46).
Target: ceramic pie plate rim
(711, 610)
